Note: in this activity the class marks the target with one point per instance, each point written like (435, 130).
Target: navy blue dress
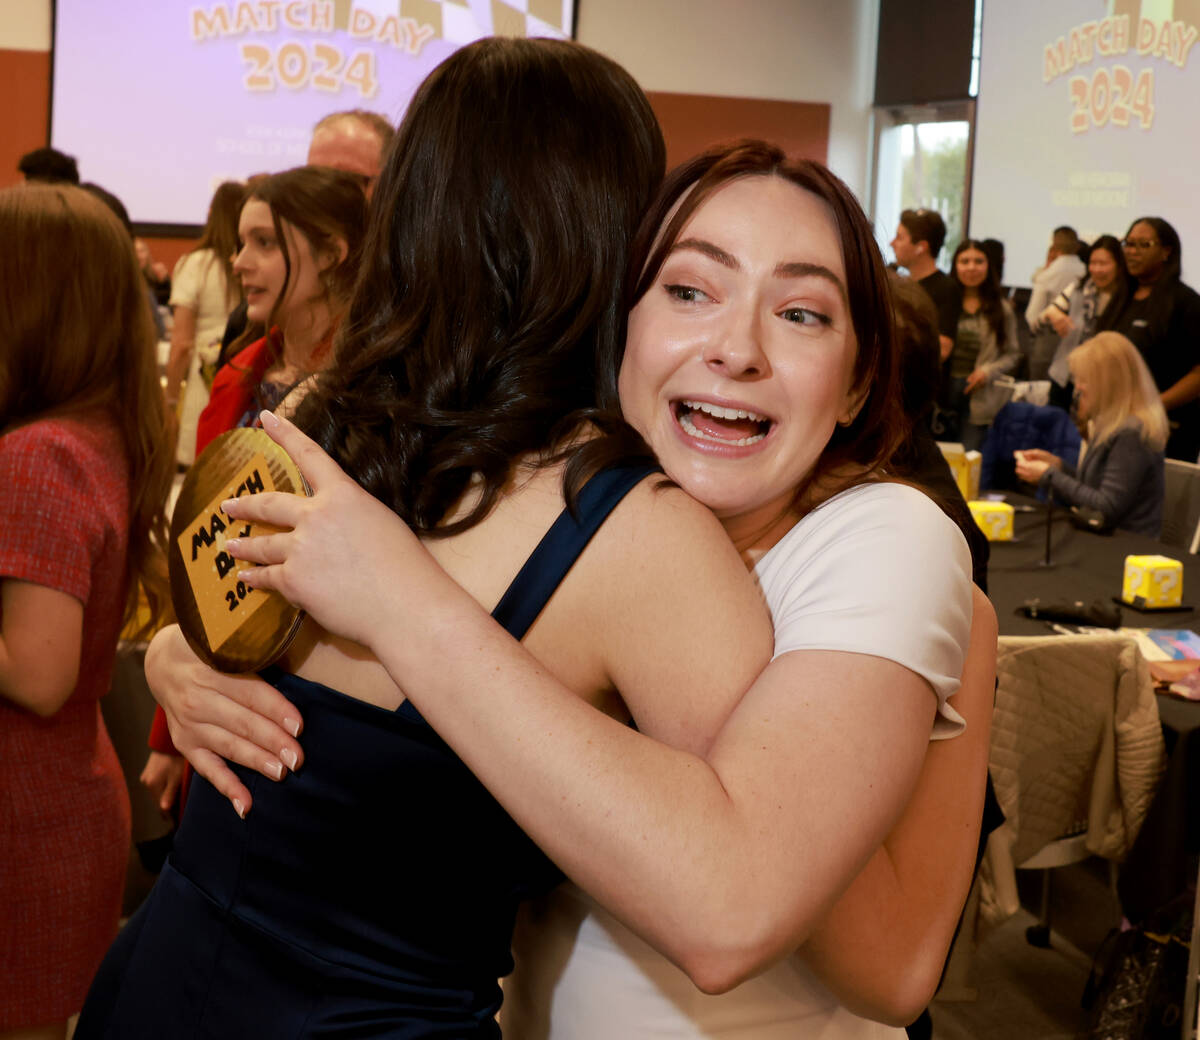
(371, 894)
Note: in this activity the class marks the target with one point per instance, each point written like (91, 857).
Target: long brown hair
(487, 317)
(77, 334)
(220, 233)
(860, 450)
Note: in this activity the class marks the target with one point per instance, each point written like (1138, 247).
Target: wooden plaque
(230, 626)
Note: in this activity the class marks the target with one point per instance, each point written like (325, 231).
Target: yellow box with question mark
(1152, 581)
(994, 519)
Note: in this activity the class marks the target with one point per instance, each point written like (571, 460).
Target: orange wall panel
(24, 108)
(692, 122)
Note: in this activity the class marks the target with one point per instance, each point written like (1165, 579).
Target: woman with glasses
(1162, 318)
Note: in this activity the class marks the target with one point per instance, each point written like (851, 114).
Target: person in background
(353, 141)
(920, 236)
(1082, 309)
(158, 278)
(985, 346)
(995, 254)
(919, 458)
(49, 166)
(1162, 318)
(1062, 268)
(203, 293)
(83, 477)
(301, 234)
(1121, 475)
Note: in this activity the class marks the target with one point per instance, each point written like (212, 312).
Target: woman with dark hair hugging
(723, 830)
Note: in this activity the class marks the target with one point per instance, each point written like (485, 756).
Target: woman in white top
(203, 292)
(760, 367)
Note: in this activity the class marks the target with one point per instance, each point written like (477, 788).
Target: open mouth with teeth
(734, 427)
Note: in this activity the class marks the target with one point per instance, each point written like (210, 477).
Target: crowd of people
(1114, 338)
(636, 466)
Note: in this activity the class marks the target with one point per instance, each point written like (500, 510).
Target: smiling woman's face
(740, 355)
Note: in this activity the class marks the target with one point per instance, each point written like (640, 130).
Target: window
(922, 158)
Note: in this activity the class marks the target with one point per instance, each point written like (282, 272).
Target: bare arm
(183, 345)
(882, 947)
(41, 633)
(724, 862)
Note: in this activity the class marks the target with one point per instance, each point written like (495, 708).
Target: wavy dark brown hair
(487, 318)
(856, 452)
(76, 334)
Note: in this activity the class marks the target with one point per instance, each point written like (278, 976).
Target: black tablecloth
(1084, 565)
(1087, 566)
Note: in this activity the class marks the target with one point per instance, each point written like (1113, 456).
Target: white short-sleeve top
(878, 569)
(198, 282)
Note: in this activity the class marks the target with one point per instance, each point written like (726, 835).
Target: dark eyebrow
(708, 249)
(803, 269)
(794, 269)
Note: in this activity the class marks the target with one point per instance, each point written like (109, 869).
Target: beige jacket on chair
(1076, 746)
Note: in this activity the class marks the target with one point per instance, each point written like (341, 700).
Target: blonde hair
(1121, 388)
(76, 333)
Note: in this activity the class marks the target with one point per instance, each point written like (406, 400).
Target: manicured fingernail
(233, 545)
(239, 808)
(275, 769)
(292, 726)
(289, 758)
(226, 504)
(269, 420)
(248, 578)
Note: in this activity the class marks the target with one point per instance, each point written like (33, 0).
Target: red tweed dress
(64, 810)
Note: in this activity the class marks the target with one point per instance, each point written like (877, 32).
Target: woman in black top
(1162, 319)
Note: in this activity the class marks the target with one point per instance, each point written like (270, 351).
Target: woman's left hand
(341, 555)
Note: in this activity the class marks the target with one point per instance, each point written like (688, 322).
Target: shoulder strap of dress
(562, 545)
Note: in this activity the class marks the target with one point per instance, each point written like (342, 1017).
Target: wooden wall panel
(692, 122)
(24, 107)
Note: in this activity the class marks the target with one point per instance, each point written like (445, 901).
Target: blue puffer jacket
(1019, 425)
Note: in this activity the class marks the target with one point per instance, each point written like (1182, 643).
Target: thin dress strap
(562, 545)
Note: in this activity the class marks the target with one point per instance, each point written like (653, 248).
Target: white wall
(785, 50)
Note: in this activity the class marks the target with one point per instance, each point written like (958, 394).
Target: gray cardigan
(1122, 479)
